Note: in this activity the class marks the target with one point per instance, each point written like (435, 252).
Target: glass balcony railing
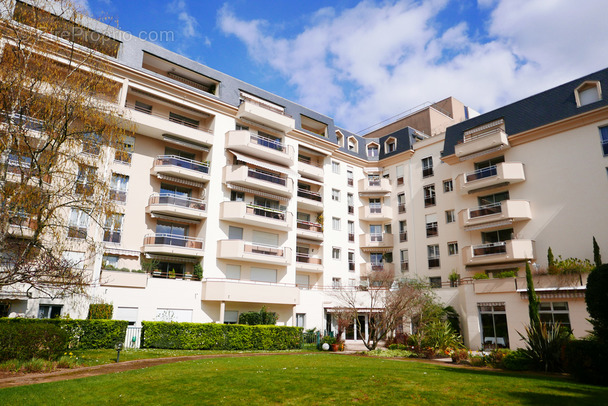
(266, 212)
(307, 194)
(174, 240)
(482, 173)
(493, 248)
(176, 200)
(266, 177)
(268, 142)
(486, 210)
(306, 225)
(173, 160)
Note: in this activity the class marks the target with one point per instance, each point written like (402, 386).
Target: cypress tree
(533, 302)
(597, 258)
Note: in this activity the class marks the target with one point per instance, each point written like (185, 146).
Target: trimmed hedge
(24, 341)
(82, 334)
(211, 336)
(101, 311)
(587, 361)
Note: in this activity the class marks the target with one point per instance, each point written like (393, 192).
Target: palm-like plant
(544, 344)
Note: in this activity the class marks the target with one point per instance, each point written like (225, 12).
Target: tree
(550, 258)
(533, 302)
(61, 127)
(385, 302)
(597, 258)
(596, 297)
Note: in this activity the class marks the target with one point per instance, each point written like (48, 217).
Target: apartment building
(281, 208)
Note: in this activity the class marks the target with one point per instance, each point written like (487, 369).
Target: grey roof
(532, 112)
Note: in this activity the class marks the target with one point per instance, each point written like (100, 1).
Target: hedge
(587, 361)
(82, 334)
(211, 336)
(100, 311)
(24, 341)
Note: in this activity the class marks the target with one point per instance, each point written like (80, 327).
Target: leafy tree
(60, 125)
(597, 258)
(533, 302)
(596, 298)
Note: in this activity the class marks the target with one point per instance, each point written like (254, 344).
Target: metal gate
(133, 337)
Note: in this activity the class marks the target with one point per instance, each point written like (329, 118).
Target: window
(587, 93)
(113, 228)
(497, 236)
(109, 261)
(494, 328)
(405, 260)
(435, 282)
(375, 205)
(124, 154)
(429, 195)
(85, 179)
(237, 196)
(431, 225)
(350, 199)
(235, 233)
(448, 186)
(143, 107)
(402, 231)
(301, 320)
(302, 281)
(91, 144)
(335, 253)
(401, 203)
(376, 232)
(351, 231)
(453, 248)
(233, 271)
(231, 316)
(335, 195)
(433, 255)
(450, 216)
(604, 138)
(172, 229)
(335, 223)
(372, 150)
(118, 187)
(126, 313)
(485, 169)
(351, 260)
(335, 167)
(349, 178)
(390, 145)
(78, 224)
(427, 167)
(554, 312)
(49, 311)
(400, 178)
(263, 275)
(494, 198)
(352, 144)
(336, 282)
(5, 309)
(74, 259)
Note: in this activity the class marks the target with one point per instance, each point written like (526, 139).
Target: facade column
(294, 320)
(222, 311)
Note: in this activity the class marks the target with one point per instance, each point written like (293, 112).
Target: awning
(382, 249)
(256, 192)
(169, 258)
(121, 251)
(489, 225)
(312, 150)
(314, 182)
(374, 193)
(263, 164)
(306, 241)
(480, 304)
(180, 180)
(175, 219)
(13, 295)
(184, 143)
(484, 152)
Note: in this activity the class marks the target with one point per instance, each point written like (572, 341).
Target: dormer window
(372, 150)
(587, 93)
(340, 138)
(390, 145)
(352, 144)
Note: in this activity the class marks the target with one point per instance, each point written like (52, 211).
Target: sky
(363, 62)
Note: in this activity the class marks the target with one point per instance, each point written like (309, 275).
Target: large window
(78, 224)
(85, 179)
(335, 167)
(604, 137)
(335, 253)
(433, 255)
(335, 223)
(118, 187)
(49, 311)
(429, 195)
(402, 231)
(113, 228)
(427, 167)
(494, 329)
(555, 312)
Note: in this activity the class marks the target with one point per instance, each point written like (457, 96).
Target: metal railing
(264, 250)
(310, 162)
(176, 200)
(432, 229)
(486, 210)
(267, 177)
(481, 173)
(27, 122)
(167, 117)
(306, 225)
(375, 237)
(401, 208)
(133, 337)
(266, 212)
(174, 240)
(306, 258)
(277, 145)
(307, 194)
(493, 248)
(165, 160)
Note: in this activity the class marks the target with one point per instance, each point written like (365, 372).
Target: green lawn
(304, 379)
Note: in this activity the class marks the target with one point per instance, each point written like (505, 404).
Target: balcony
(374, 186)
(171, 165)
(370, 241)
(493, 176)
(312, 231)
(245, 251)
(178, 206)
(367, 268)
(265, 114)
(375, 213)
(156, 125)
(310, 169)
(261, 147)
(21, 225)
(246, 213)
(170, 244)
(495, 214)
(231, 290)
(479, 144)
(309, 200)
(124, 279)
(306, 263)
(249, 177)
(498, 252)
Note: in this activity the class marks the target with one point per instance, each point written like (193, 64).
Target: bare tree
(60, 129)
(387, 303)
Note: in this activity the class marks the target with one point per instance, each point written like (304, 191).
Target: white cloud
(364, 64)
(189, 24)
(82, 6)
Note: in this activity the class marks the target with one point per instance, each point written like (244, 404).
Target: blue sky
(362, 62)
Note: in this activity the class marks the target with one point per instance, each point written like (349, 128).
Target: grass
(305, 379)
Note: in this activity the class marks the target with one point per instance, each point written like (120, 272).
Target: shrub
(32, 340)
(198, 271)
(481, 275)
(570, 266)
(597, 303)
(255, 318)
(507, 274)
(211, 336)
(100, 311)
(517, 361)
(478, 361)
(496, 357)
(459, 355)
(544, 344)
(439, 335)
(587, 361)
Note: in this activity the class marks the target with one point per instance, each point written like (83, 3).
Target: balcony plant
(172, 274)
(454, 278)
(198, 271)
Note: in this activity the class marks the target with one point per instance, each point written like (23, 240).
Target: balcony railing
(173, 118)
(309, 162)
(174, 240)
(486, 210)
(374, 182)
(307, 194)
(173, 160)
(493, 248)
(377, 266)
(375, 209)
(27, 122)
(401, 208)
(376, 237)
(267, 177)
(306, 225)
(431, 230)
(264, 250)
(351, 237)
(305, 258)
(433, 262)
(176, 200)
(266, 212)
(268, 142)
(21, 219)
(482, 173)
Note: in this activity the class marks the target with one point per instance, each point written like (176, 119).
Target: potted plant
(454, 279)
(172, 274)
(188, 275)
(198, 271)
(329, 340)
